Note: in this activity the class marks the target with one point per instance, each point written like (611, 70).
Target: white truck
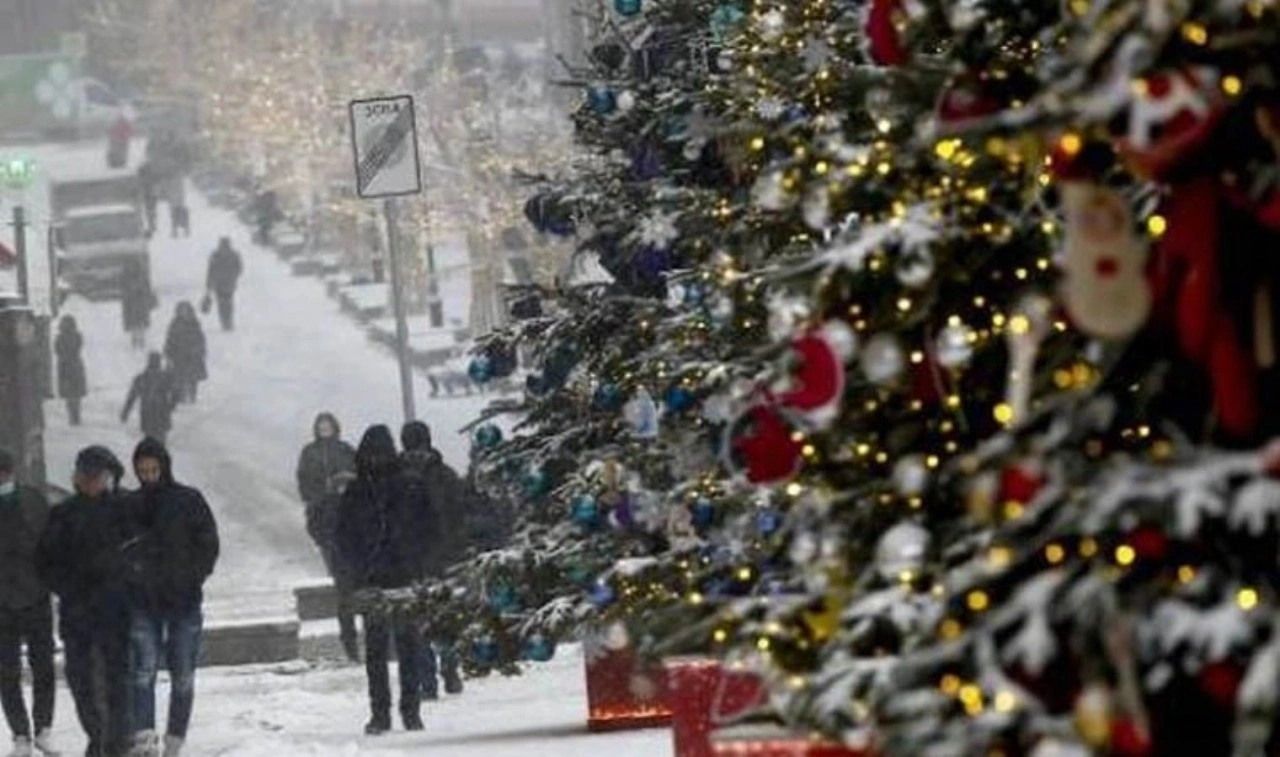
(98, 234)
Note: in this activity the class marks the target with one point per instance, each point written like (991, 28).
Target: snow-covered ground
(293, 354)
(295, 710)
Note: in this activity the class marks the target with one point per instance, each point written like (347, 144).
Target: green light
(19, 172)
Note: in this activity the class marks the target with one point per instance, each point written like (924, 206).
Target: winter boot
(173, 745)
(44, 744)
(412, 721)
(145, 744)
(379, 725)
(21, 747)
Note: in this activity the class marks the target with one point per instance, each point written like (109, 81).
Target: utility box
(22, 393)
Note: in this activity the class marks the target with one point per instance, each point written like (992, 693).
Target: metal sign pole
(20, 249)
(397, 303)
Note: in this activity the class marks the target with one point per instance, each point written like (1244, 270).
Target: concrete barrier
(316, 601)
(250, 643)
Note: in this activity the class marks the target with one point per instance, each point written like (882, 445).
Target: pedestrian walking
(154, 392)
(175, 549)
(79, 559)
(225, 268)
(325, 467)
(266, 211)
(118, 141)
(438, 486)
(26, 615)
(136, 303)
(185, 348)
(72, 382)
(148, 182)
(380, 530)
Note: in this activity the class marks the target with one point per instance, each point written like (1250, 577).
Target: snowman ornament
(1104, 289)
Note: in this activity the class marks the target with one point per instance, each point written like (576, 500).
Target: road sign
(384, 137)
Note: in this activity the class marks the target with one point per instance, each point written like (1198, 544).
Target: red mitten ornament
(817, 383)
(761, 444)
(1104, 289)
(883, 40)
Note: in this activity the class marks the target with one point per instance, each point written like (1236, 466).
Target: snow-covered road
(297, 711)
(292, 355)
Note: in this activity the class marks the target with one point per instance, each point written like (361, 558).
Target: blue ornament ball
(627, 7)
(609, 397)
(602, 100)
(585, 511)
(679, 399)
(768, 522)
(602, 595)
(704, 513)
(536, 482)
(539, 649)
(724, 19)
(504, 599)
(536, 385)
(481, 369)
(487, 436)
(485, 651)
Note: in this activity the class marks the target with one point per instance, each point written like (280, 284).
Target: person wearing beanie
(26, 614)
(174, 550)
(79, 559)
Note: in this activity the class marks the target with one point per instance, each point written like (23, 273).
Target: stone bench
(250, 643)
(316, 601)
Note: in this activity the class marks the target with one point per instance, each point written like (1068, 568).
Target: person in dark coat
(147, 183)
(175, 550)
(26, 613)
(325, 467)
(379, 536)
(425, 471)
(185, 348)
(79, 559)
(225, 268)
(136, 303)
(266, 211)
(154, 392)
(72, 382)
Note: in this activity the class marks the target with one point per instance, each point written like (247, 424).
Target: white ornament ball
(955, 346)
(915, 270)
(911, 476)
(626, 100)
(616, 637)
(883, 359)
(772, 25)
(902, 551)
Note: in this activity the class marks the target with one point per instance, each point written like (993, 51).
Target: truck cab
(96, 244)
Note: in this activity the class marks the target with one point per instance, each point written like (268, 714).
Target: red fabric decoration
(7, 256)
(1271, 458)
(1174, 117)
(1128, 740)
(1186, 280)
(1020, 483)
(766, 446)
(819, 378)
(966, 99)
(1149, 543)
(885, 45)
(1221, 681)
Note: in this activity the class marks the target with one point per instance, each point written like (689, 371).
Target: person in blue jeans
(172, 554)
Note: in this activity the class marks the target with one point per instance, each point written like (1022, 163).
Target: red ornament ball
(1149, 543)
(1020, 483)
(1128, 739)
(1221, 681)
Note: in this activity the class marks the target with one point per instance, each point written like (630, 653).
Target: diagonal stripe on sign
(376, 159)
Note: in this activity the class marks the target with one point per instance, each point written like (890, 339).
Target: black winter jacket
(173, 544)
(439, 492)
(80, 558)
(72, 382)
(24, 514)
(383, 524)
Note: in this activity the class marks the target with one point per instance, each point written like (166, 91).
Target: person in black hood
(186, 349)
(439, 493)
(154, 392)
(26, 613)
(327, 464)
(174, 552)
(225, 269)
(379, 537)
(80, 559)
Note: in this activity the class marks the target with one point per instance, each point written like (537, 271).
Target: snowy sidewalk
(283, 711)
(293, 354)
